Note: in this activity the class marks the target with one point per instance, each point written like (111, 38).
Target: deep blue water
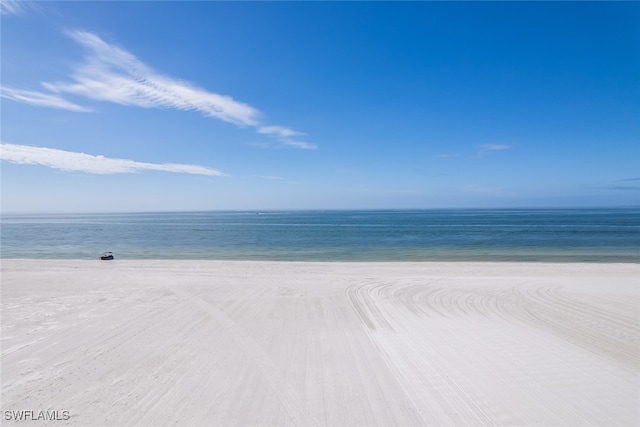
(556, 235)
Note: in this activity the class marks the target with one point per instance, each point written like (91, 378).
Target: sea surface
(538, 235)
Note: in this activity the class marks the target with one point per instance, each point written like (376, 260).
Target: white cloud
(494, 147)
(115, 75)
(40, 99)
(12, 7)
(112, 74)
(280, 131)
(80, 162)
(298, 144)
(284, 135)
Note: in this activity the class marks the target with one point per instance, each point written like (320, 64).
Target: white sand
(339, 344)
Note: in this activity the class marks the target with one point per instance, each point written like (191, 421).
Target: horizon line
(273, 210)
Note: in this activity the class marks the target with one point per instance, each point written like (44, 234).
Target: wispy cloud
(40, 99)
(111, 74)
(272, 177)
(12, 7)
(628, 179)
(485, 149)
(280, 131)
(80, 162)
(115, 75)
(286, 135)
(494, 147)
(298, 144)
(482, 151)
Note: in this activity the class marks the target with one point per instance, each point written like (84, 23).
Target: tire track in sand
(289, 399)
(461, 349)
(423, 375)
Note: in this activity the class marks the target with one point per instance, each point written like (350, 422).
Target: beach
(187, 342)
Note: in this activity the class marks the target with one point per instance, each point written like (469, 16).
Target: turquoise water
(556, 235)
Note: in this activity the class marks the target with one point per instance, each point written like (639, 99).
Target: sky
(179, 106)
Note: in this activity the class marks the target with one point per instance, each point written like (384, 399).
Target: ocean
(534, 235)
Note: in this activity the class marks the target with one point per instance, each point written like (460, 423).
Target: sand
(333, 344)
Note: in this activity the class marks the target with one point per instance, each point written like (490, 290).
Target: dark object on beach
(106, 256)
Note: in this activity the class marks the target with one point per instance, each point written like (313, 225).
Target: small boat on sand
(106, 256)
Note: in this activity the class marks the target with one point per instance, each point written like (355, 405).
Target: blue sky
(152, 106)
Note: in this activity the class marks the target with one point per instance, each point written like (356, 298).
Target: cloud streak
(79, 162)
(298, 144)
(494, 147)
(111, 74)
(13, 7)
(486, 149)
(114, 75)
(286, 135)
(280, 131)
(482, 151)
(40, 99)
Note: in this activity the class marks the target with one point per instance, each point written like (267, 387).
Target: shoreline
(327, 261)
(160, 342)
